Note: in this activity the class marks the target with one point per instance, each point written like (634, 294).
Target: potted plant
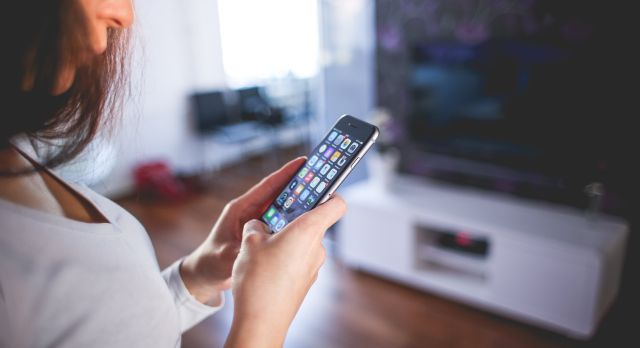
(385, 155)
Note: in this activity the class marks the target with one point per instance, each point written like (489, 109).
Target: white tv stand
(548, 265)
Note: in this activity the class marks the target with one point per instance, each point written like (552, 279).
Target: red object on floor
(156, 179)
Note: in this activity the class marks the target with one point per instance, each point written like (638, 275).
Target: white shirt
(65, 283)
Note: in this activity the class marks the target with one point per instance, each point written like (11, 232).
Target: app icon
(289, 202)
(322, 148)
(335, 156)
(318, 165)
(329, 151)
(274, 219)
(353, 147)
(321, 187)
(311, 199)
(280, 225)
(345, 143)
(315, 182)
(303, 172)
(299, 189)
(338, 140)
(325, 169)
(332, 173)
(342, 161)
(313, 160)
(283, 197)
(304, 195)
(309, 176)
(332, 136)
(270, 213)
(293, 184)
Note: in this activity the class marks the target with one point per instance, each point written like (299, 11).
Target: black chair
(210, 111)
(214, 116)
(253, 106)
(237, 122)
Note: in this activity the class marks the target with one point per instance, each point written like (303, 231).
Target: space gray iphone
(326, 168)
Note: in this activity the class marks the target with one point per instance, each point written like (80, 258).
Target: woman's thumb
(255, 232)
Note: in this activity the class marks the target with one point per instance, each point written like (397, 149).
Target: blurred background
(497, 208)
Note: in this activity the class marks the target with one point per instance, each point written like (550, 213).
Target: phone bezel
(351, 122)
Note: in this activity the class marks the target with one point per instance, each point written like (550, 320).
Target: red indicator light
(463, 239)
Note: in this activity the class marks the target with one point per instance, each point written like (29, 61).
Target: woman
(76, 270)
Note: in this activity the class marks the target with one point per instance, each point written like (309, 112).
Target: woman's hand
(273, 273)
(207, 270)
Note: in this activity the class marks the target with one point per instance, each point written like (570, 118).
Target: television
(524, 101)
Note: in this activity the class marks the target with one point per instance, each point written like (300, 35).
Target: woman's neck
(27, 189)
(37, 189)
(12, 162)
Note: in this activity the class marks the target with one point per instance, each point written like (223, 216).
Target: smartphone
(325, 169)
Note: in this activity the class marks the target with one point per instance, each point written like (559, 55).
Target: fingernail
(254, 225)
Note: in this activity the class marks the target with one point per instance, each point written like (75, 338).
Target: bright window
(268, 39)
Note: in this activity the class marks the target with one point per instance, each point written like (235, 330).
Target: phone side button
(355, 161)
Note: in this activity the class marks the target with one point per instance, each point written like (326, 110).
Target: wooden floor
(345, 308)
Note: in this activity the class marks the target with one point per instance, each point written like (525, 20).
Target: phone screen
(332, 159)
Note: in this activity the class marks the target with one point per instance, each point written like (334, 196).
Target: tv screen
(509, 102)
(519, 100)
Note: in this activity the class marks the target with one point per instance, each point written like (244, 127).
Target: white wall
(347, 75)
(177, 51)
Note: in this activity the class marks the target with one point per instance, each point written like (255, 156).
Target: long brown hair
(45, 36)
